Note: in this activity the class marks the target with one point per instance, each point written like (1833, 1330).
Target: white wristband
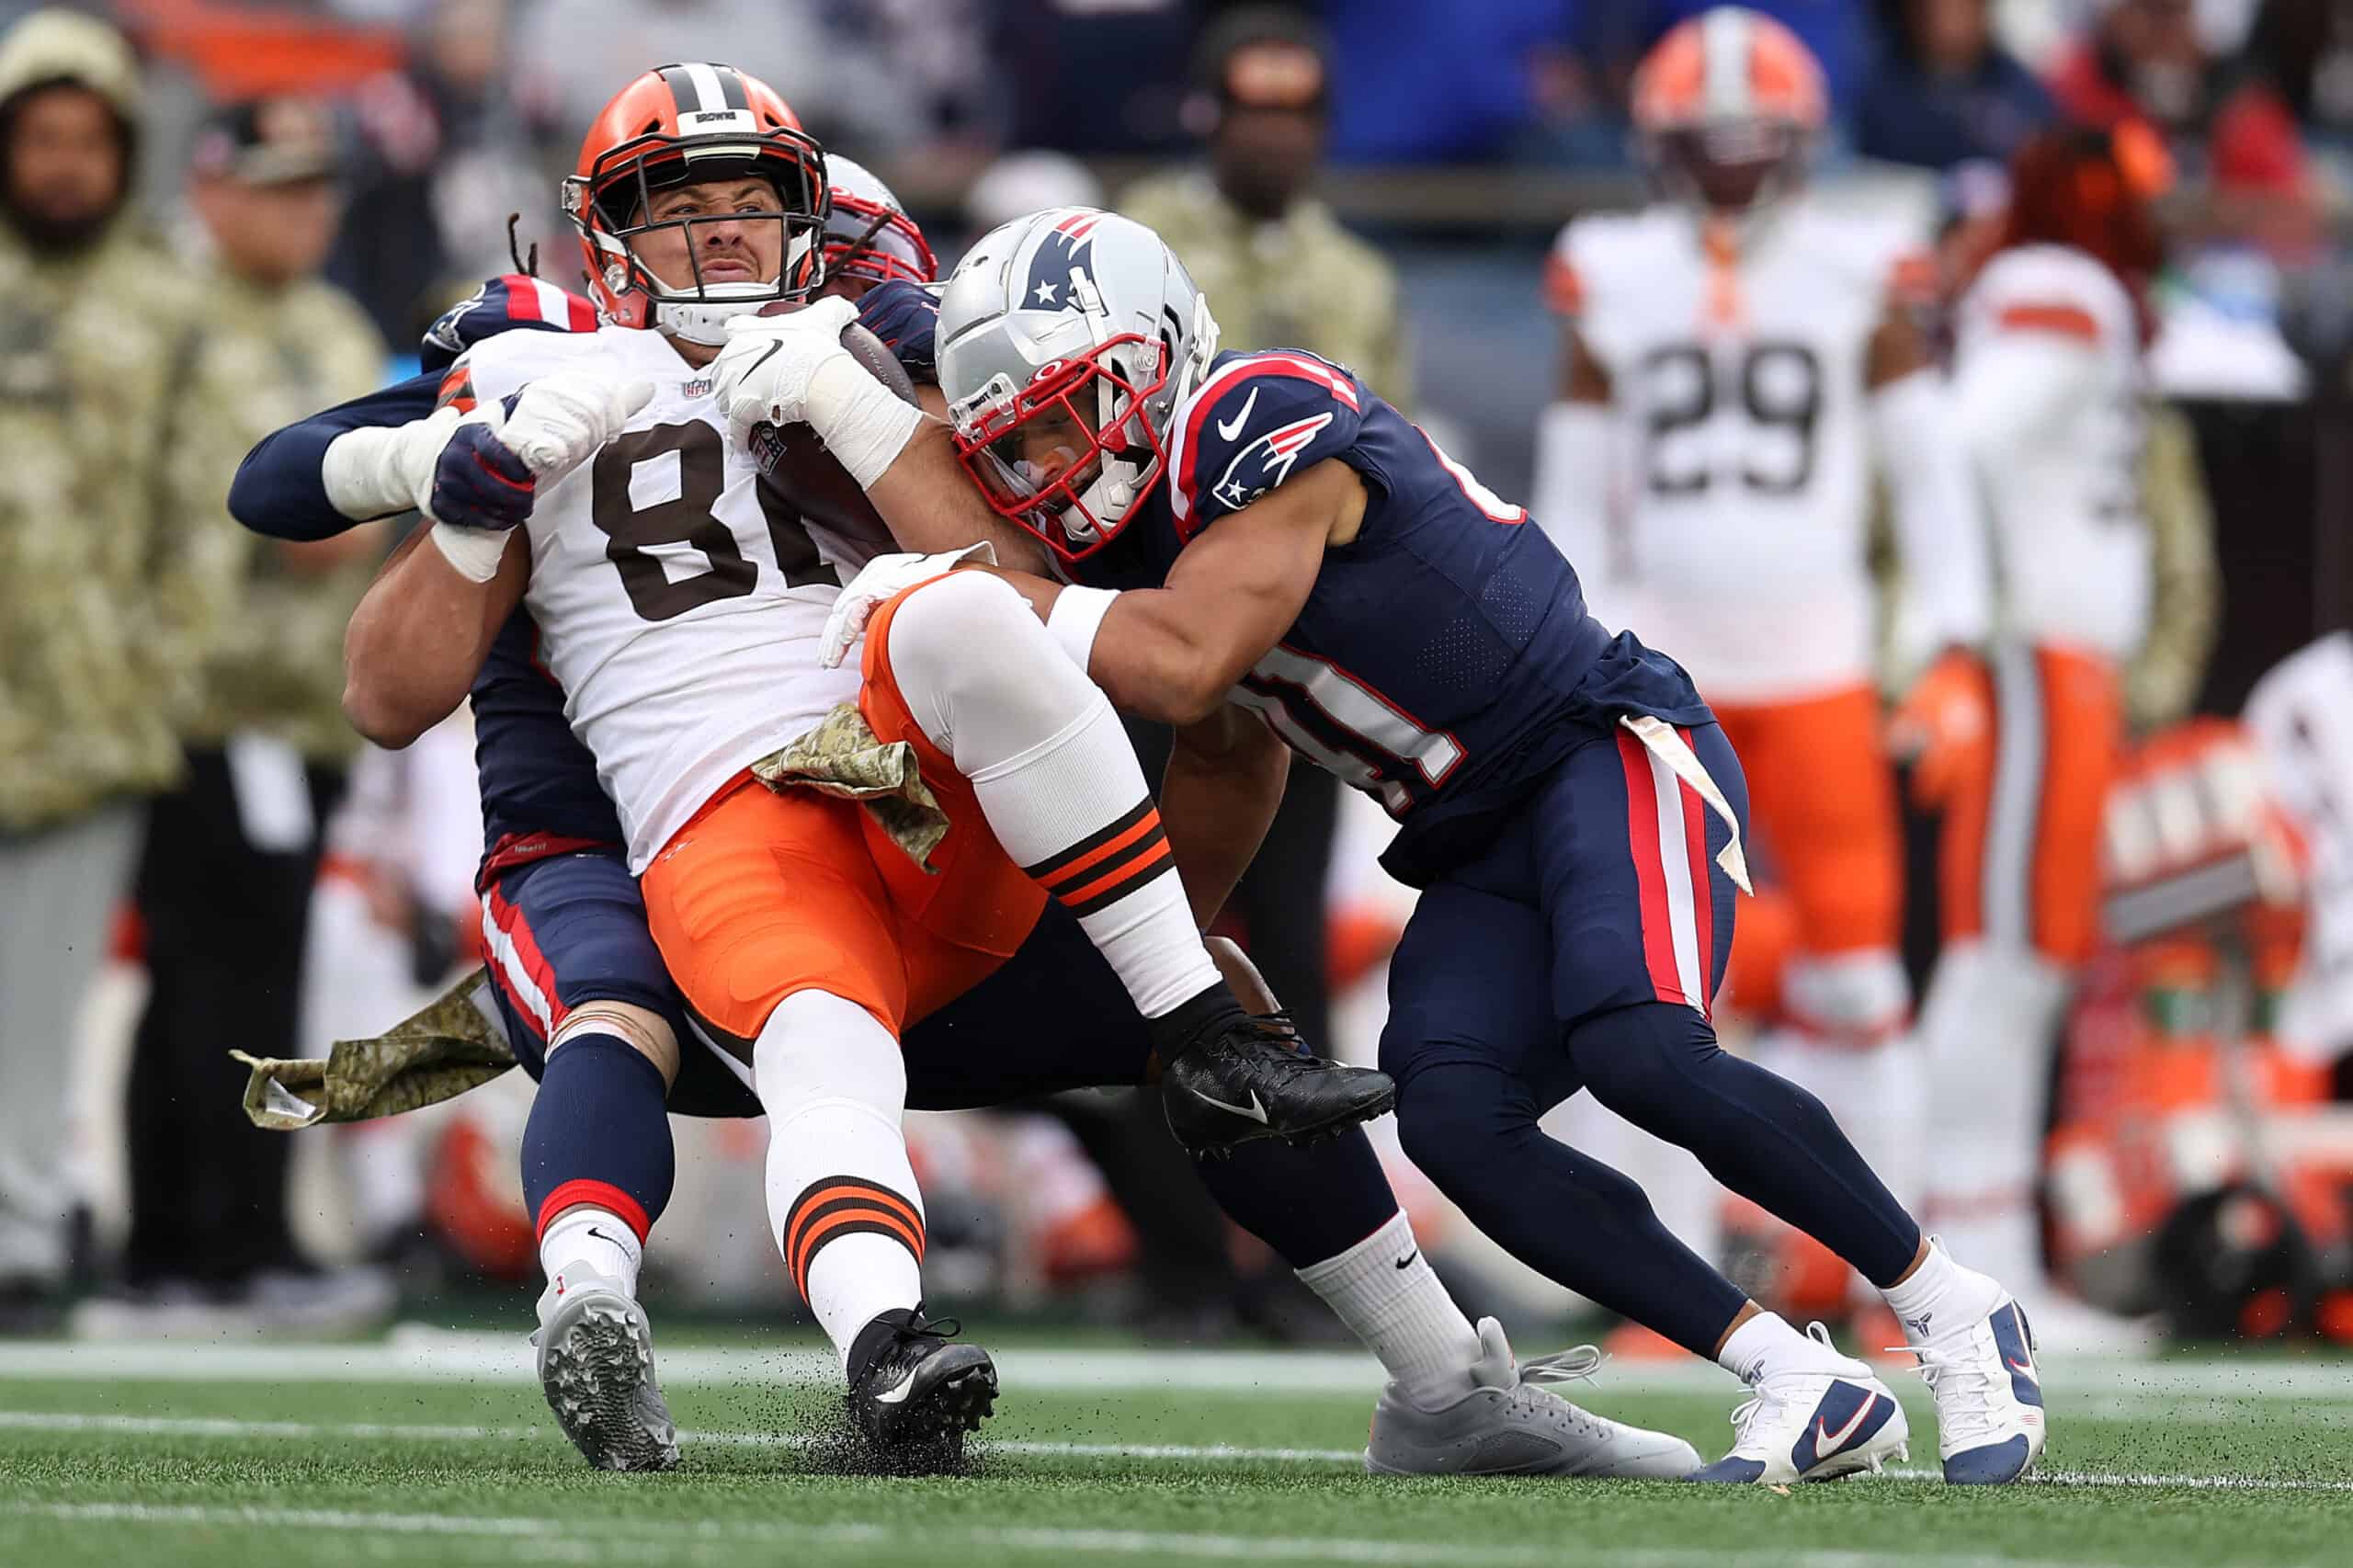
(475, 553)
(862, 422)
(1076, 617)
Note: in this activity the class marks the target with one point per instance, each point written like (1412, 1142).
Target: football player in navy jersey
(569, 941)
(1258, 549)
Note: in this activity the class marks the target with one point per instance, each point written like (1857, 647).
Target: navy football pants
(1580, 950)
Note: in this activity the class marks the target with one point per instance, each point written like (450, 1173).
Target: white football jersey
(1738, 385)
(2047, 374)
(679, 604)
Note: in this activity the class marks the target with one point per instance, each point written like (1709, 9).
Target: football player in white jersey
(2048, 384)
(679, 604)
(1739, 362)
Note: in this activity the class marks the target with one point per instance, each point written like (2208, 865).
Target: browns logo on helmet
(679, 125)
(1726, 109)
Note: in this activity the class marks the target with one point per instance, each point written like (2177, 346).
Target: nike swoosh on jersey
(1254, 1111)
(1228, 429)
(1826, 1442)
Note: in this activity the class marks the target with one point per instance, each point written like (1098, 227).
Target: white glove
(563, 418)
(762, 376)
(881, 580)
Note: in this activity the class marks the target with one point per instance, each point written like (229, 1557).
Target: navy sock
(599, 1133)
(1472, 1128)
(1308, 1204)
(1659, 1065)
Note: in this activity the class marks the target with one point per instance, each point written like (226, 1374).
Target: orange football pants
(1822, 799)
(764, 893)
(2020, 862)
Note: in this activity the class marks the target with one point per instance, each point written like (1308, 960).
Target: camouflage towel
(433, 1056)
(843, 756)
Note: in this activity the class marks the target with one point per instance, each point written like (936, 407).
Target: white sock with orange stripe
(1054, 774)
(843, 1202)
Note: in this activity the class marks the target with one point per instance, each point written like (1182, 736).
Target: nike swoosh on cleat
(1254, 1112)
(1826, 1442)
(1228, 429)
(1407, 1261)
(897, 1396)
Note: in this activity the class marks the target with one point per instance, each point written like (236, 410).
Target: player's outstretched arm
(1225, 778)
(933, 507)
(419, 637)
(281, 487)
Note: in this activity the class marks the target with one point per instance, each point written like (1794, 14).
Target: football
(795, 464)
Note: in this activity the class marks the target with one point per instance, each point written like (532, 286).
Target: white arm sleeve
(1940, 522)
(1573, 486)
(375, 472)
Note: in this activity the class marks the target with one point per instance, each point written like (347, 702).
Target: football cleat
(1813, 1427)
(1989, 1393)
(1508, 1426)
(596, 1367)
(1240, 1078)
(912, 1395)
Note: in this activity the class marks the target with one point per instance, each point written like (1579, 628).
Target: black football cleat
(1238, 1078)
(914, 1394)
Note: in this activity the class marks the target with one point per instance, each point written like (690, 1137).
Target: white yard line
(420, 1355)
(311, 1431)
(646, 1539)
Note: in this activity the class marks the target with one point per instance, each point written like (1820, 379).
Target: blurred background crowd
(244, 212)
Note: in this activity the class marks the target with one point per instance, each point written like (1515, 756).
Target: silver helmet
(1066, 340)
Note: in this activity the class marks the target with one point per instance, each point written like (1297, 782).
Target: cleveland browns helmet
(1727, 107)
(678, 125)
(1085, 320)
(869, 235)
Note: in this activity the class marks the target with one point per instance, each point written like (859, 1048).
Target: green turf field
(445, 1456)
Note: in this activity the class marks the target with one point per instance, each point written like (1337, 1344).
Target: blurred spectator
(1462, 93)
(232, 856)
(102, 618)
(1947, 91)
(2305, 49)
(1085, 76)
(446, 152)
(1279, 272)
(2226, 125)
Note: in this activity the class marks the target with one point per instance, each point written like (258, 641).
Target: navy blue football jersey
(1444, 662)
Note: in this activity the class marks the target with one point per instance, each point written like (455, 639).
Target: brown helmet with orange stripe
(681, 125)
(1726, 109)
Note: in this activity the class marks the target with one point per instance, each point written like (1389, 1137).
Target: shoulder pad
(1257, 419)
(509, 300)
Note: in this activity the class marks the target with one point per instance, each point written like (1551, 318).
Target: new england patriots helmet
(1070, 319)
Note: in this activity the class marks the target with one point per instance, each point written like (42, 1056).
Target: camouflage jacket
(1304, 282)
(275, 662)
(103, 616)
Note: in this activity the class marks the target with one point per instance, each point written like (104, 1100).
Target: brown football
(797, 467)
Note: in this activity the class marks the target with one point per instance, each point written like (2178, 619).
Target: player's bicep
(1898, 348)
(1583, 378)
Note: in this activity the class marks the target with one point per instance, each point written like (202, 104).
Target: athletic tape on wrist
(862, 422)
(475, 553)
(1076, 617)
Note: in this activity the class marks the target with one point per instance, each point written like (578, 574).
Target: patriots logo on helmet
(1267, 462)
(1059, 278)
(509, 300)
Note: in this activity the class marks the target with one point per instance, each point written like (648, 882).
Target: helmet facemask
(1116, 456)
(1730, 169)
(611, 208)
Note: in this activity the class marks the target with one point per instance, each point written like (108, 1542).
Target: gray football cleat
(1509, 1425)
(596, 1367)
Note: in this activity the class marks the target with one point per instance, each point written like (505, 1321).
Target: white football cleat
(596, 1356)
(1812, 1425)
(1505, 1425)
(1981, 1368)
